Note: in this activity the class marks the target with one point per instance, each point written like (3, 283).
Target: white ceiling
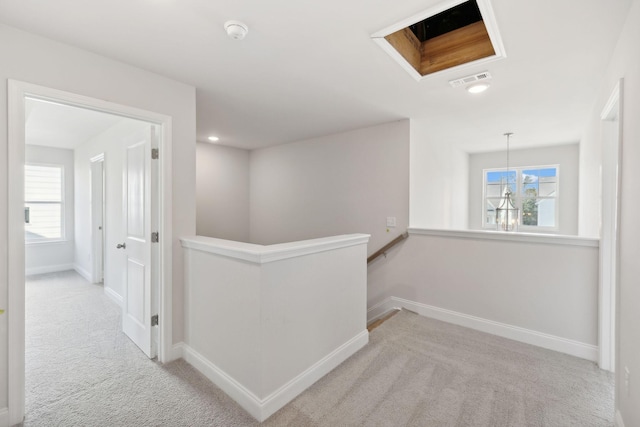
(309, 68)
(62, 126)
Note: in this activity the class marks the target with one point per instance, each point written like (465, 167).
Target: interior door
(139, 290)
(97, 217)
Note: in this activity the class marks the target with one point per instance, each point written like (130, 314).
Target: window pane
(43, 202)
(493, 190)
(532, 179)
(490, 214)
(547, 212)
(547, 187)
(539, 212)
(529, 212)
(43, 183)
(44, 221)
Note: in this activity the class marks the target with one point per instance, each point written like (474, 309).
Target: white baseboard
(379, 310)
(619, 422)
(84, 273)
(540, 339)
(117, 298)
(4, 417)
(177, 351)
(261, 409)
(48, 269)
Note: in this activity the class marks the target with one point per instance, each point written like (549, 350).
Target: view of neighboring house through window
(44, 200)
(534, 191)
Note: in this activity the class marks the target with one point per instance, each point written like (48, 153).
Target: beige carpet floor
(82, 371)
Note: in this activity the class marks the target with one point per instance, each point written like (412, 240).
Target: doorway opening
(610, 228)
(146, 203)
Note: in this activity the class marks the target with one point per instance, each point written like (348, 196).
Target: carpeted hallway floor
(82, 371)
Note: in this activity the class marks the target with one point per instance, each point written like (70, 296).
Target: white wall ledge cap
(261, 254)
(547, 239)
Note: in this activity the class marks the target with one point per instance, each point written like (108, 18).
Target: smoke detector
(236, 29)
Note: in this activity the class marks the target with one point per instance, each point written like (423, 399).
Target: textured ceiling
(310, 68)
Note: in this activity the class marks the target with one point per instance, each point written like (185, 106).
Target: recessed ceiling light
(213, 139)
(477, 88)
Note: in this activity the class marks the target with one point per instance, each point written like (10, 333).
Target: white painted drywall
(111, 143)
(625, 62)
(543, 287)
(566, 156)
(78, 71)
(337, 184)
(222, 192)
(439, 184)
(56, 256)
(273, 319)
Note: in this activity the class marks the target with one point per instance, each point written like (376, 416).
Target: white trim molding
(177, 351)
(48, 269)
(84, 273)
(619, 422)
(528, 336)
(116, 297)
(261, 409)
(547, 239)
(259, 254)
(4, 417)
(490, 23)
(17, 91)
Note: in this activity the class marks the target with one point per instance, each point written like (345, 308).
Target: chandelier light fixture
(507, 215)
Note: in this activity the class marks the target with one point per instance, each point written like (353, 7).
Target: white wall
(337, 184)
(266, 322)
(625, 63)
(546, 288)
(439, 181)
(222, 192)
(111, 143)
(566, 156)
(57, 256)
(40, 61)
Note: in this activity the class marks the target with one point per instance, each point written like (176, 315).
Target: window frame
(62, 203)
(518, 198)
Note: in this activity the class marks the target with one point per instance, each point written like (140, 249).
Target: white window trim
(63, 204)
(518, 199)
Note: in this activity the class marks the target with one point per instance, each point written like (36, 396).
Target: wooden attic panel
(408, 45)
(457, 47)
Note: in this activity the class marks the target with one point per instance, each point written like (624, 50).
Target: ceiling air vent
(451, 35)
(470, 79)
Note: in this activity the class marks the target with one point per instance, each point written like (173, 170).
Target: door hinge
(155, 237)
(155, 153)
(154, 320)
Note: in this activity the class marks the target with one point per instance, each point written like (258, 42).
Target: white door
(97, 217)
(139, 288)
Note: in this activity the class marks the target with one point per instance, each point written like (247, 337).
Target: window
(534, 191)
(44, 203)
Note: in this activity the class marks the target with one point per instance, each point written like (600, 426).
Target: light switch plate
(391, 221)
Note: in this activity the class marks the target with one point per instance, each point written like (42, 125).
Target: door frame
(611, 138)
(97, 248)
(17, 91)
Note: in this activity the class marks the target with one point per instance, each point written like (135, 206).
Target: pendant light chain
(507, 215)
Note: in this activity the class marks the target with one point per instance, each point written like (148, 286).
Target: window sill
(510, 236)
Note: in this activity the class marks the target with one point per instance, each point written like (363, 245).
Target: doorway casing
(17, 92)
(611, 117)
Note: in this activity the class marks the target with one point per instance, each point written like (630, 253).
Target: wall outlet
(627, 380)
(391, 221)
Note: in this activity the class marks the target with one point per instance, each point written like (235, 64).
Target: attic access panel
(454, 34)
